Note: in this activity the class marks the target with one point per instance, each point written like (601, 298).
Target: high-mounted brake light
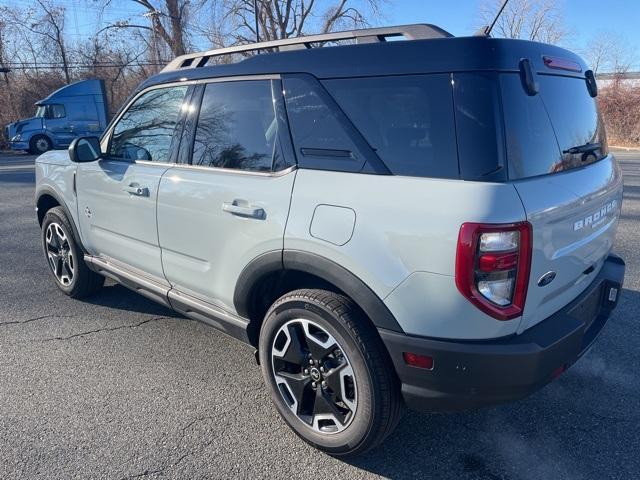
(492, 267)
(560, 63)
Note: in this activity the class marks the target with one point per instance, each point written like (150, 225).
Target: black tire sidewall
(360, 427)
(53, 216)
(34, 149)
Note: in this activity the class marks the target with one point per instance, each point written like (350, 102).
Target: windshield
(41, 111)
(557, 130)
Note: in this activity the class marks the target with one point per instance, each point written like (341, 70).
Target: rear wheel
(39, 144)
(328, 372)
(65, 257)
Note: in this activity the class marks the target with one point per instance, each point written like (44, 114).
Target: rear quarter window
(407, 120)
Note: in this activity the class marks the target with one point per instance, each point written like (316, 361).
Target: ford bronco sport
(425, 222)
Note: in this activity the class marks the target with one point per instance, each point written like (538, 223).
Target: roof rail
(419, 31)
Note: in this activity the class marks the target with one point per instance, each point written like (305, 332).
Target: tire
(354, 382)
(65, 257)
(39, 144)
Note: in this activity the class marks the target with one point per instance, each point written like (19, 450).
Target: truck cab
(75, 110)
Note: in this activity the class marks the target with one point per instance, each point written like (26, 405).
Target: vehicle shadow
(121, 298)
(583, 425)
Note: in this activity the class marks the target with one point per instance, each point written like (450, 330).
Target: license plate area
(589, 308)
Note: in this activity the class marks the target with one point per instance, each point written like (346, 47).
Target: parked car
(75, 110)
(425, 222)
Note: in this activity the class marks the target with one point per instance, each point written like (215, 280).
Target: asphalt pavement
(118, 387)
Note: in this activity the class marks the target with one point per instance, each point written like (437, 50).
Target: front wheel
(65, 257)
(39, 144)
(328, 372)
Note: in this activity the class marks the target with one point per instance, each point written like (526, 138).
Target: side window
(479, 126)
(237, 127)
(408, 120)
(56, 111)
(146, 129)
(322, 135)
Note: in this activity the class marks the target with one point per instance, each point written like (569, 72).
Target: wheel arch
(271, 275)
(46, 199)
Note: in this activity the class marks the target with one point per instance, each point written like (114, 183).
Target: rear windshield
(407, 120)
(556, 130)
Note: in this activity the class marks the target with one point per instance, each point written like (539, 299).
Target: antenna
(486, 30)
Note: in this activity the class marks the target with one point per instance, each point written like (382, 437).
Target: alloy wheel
(314, 376)
(59, 254)
(42, 145)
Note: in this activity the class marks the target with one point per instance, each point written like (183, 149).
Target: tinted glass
(575, 119)
(322, 135)
(407, 120)
(540, 130)
(478, 126)
(146, 129)
(237, 127)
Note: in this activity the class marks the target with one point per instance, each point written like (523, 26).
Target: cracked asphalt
(118, 387)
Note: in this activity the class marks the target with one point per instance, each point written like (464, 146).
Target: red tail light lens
(492, 267)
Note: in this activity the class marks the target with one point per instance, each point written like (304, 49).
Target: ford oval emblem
(546, 279)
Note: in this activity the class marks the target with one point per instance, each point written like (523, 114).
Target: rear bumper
(475, 373)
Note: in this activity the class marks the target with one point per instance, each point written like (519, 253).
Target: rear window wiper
(586, 148)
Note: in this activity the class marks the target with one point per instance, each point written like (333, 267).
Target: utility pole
(256, 15)
(3, 69)
(154, 38)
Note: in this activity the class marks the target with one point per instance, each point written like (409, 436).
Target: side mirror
(85, 149)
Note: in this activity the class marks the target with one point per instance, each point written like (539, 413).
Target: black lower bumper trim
(476, 373)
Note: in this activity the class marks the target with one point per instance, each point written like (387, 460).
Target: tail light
(492, 267)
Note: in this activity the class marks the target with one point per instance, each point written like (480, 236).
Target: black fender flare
(279, 261)
(46, 190)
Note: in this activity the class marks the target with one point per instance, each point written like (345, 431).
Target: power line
(160, 61)
(80, 66)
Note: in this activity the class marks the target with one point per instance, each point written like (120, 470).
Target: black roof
(439, 55)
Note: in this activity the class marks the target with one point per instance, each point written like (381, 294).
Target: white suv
(427, 222)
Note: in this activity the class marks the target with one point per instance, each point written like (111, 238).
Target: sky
(583, 17)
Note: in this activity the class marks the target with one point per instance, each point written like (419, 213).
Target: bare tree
(537, 20)
(609, 52)
(41, 30)
(168, 22)
(50, 25)
(279, 19)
